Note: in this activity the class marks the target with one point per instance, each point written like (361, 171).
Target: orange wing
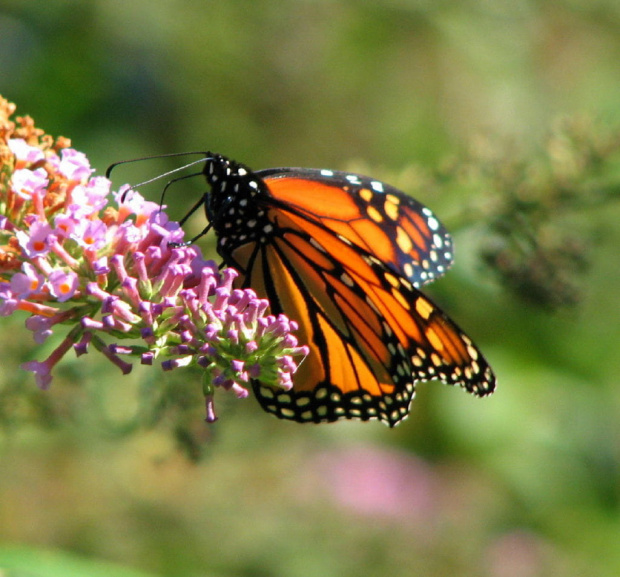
(374, 216)
(372, 334)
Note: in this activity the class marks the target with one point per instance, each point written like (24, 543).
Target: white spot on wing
(377, 186)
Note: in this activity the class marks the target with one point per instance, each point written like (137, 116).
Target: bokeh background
(463, 103)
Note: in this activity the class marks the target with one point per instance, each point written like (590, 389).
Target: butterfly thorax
(233, 205)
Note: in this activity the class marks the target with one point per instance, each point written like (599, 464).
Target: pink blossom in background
(379, 482)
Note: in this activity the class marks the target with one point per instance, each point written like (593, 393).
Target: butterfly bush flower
(108, 267)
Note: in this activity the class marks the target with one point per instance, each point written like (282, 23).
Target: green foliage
(526, 482)
(30, 562)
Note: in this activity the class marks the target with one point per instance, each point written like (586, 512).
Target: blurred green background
(121, 477)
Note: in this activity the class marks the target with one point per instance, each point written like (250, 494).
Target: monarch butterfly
(344, 255)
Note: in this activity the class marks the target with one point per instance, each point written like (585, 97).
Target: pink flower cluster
(113, 268)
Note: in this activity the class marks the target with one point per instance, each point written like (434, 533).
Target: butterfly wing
(372, 215)
(372, 334)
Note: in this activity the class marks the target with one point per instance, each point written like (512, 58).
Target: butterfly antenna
(163, 175)
(206, 155)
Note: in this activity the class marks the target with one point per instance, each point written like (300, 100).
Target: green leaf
(23, 561)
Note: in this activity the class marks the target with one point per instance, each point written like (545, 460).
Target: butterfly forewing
(398, 230)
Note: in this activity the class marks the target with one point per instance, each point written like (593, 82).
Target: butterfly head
(233, 186)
